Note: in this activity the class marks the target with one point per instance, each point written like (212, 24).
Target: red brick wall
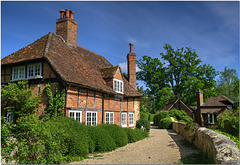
(118, 75)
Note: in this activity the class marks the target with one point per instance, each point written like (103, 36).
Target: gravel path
(161, 147)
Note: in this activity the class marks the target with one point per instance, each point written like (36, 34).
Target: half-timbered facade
(96, 91)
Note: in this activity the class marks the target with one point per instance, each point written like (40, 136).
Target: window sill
(29, 78)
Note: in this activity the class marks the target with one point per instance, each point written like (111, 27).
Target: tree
(228, 84)
(18, 99)
(181, 71)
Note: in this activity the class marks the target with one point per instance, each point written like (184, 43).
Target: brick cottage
(96, 91)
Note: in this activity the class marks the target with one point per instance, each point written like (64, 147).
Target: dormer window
(18, 73)
(34, 70)
(118, 86)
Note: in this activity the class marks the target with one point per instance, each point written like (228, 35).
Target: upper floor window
(34, 70)
(18, 73)
(118, 86)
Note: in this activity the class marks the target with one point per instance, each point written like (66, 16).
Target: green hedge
(165, 123)
(100, 140)
(117, 133)
(134, 134)
(143, 123)
(144, 115)
(160, 115)
(180, 115)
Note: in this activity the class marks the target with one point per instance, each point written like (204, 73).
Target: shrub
(133, 135)
(160, 115)
(101, 139)
(62, 139)
(150, 117)
(144, 116)
(143, 123)
(229, 122)
(117, 133)
(180, 115)
(165, 123)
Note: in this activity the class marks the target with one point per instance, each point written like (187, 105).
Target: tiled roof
(169, 106)
(213, 102)
(223, 98)
(108, 72)
(75, 65)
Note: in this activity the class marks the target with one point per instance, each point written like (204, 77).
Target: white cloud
(124, 67)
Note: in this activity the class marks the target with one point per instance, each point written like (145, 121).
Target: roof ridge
(48, 43)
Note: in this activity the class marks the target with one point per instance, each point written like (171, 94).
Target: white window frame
(108, 118)
(7, 118)
(17, 69)
(124, 122)
(131, 119)
(35, 67)
(91, 121)
(75, 115)
(118, 86)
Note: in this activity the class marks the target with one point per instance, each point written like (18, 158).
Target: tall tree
(181, 71)
(228, 84)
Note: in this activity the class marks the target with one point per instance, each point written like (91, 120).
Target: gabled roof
(109, 72)
(75, 65)
(171, 104)
(223, 98)
(213, 102)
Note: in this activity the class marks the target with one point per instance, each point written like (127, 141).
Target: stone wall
(219, 147)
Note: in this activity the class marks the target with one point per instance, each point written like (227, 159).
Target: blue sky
(106, 28)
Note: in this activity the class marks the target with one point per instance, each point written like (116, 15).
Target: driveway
(161, 147)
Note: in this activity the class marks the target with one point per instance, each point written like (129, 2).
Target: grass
(196, 158)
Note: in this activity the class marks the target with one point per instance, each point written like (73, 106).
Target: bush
(150, 117)
(160, 115)
(117, 133)
(144, 116)
(180, 115)
(165, 123)
(135, 134)
(101, 140)
(143, 123)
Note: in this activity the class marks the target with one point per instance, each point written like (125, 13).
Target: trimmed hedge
(117, 133)
(135, 134)
(143, 123)
(144, 116)
(159, 116)
(165, 123)
(100, 140)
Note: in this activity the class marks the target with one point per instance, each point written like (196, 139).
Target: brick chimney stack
(67, 27)
(131, 62)
(198, 114)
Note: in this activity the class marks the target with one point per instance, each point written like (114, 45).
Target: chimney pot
(67, 13)
(71, 14)
(131, 47)
(62, 13)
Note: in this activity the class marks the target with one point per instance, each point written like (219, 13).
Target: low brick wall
(219, 147)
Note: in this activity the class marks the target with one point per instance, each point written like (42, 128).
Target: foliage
(179, 115)
(101, 138)
(181, 72)
(117, 133)
(160, 115)
(165, 123)
(144, 116)
(55, 103)
(229, 122)
(18, 98)
(228, 84)
(145, 124)
(146, 104)
(134, 134)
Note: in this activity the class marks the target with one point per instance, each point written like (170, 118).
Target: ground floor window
(76, 115)
(109, 116)
(210, 118)
(92, 118)
(124, 119)
(131, 119)
(9, 117)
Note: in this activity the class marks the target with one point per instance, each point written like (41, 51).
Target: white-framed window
(76, 115)
(109, 116)
(118, 86)
(91, 118)
(34, 70)
(131, 118)
(210, 118)
(9, 117)
(18, 73)
(124, 119)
